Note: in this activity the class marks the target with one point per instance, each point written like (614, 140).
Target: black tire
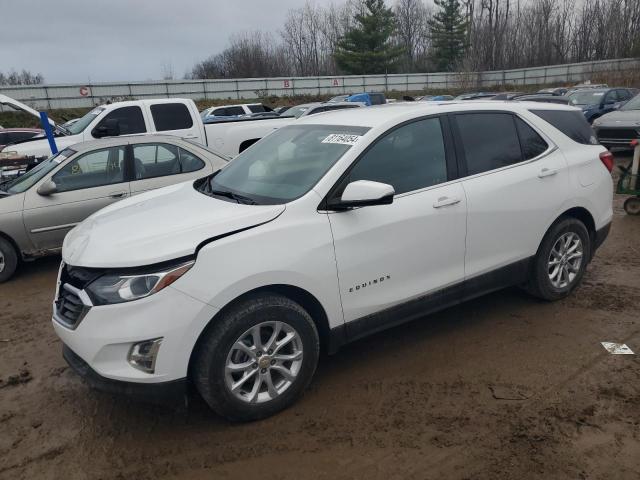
(540, 284)
(632, 206)
(208, 372)
(8, 260)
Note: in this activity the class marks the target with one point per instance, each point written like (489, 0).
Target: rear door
(159, 164)
(515, 181)
(173, 119)
(85, 184)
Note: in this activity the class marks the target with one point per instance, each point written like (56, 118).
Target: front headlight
(118, 288)
(8, 154)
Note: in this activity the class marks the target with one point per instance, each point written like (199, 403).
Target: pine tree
(448, 34)
(367, 47)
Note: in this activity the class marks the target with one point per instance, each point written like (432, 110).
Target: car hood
(39, 146)
(620, 118)
(157, 226)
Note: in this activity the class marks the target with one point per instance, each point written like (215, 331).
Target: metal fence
(43, 97)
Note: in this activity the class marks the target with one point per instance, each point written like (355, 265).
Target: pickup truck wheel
(8, 260)
(561, 260)
(257, 359)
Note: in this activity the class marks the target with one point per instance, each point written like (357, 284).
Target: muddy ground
(502, 387)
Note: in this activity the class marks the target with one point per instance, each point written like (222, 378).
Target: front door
(389, 255)
(85, 184)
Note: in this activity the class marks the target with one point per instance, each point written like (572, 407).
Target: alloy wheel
(264, 362)
(2, 261)
(565, 260)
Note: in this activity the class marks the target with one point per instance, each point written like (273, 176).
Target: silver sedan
(40, 207)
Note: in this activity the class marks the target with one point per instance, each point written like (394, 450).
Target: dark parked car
(618, 128)
(11, 135)
(476, 96)
(595, 102)
(506, 95)
(557, 91)
(545, 98)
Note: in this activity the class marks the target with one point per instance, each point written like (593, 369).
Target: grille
(69, 308)
(618, 133)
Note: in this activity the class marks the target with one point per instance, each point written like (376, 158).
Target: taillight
(607, 160)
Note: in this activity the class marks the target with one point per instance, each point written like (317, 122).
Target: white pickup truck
(174, 116)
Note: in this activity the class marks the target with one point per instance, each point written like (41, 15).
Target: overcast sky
(103, 40)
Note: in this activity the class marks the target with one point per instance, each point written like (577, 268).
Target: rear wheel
(8, 260)
(561, 260)
(632, 205)
(257, 359)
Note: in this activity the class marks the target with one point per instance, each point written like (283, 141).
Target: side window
(532, 144)
(171, 116)
(4, 138)
(189, 162)
(235, 111)
(93, 169)
(489, 140)
(571, 123)
(611, 97)
(219, 112)
(317, 110)
(153, 160)
(130, 120)
(257, 108)
(623, 95)
(408, 158)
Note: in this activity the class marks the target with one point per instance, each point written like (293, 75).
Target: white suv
(324, 231)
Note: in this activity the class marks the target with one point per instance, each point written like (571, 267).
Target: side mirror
(363, 193)
(47, 188)
(108, 128)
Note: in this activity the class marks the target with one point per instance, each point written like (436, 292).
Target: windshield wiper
(234, 196)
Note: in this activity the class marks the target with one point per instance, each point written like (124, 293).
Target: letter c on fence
(84, 91)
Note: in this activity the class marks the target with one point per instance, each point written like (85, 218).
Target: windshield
(296, 111)
(586, 98)
(84, 122)
(633, 104)
(284, 165)
(26, 181)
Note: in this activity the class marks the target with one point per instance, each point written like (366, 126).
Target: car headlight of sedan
(113, 288)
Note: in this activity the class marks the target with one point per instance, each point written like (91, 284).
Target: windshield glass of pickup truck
(633, 104)
(84, 122)
(284, 165)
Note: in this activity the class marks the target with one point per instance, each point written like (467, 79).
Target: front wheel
(8, 260)
(257, 359)
(561, 260)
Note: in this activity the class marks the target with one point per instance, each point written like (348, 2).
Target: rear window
(572, 124)
(171, 116)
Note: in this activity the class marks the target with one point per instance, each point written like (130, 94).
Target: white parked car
(175, 116)
(331, 228)
(234, 110)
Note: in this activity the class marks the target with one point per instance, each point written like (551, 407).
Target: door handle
(445, 202)
(117, 194)
(547, 172)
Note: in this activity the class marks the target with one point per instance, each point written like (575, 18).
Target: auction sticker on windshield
(341, 138)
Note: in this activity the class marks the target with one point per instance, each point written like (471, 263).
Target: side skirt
(512, 274)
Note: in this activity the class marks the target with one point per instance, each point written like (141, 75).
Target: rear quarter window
(171, 116)
(572, 124)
